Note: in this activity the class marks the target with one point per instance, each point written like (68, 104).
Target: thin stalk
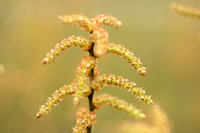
(90, 97)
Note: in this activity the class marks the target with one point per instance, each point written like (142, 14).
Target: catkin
(128, 55)
(57, 96)
(186, 11)
(66, 43)
(84, 120)
(99, 37)
(121, 105)
(118, 81)
(108, 20)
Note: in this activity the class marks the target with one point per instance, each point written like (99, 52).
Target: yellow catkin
(185, 10)
(82, 74)
(77, 19)
(66, 43)
(160, 120)
(118, 81)
(121, 105)
(99, 37)
(108, 20)
(128, 55)
(57, 96)
(88, 24)
(157, 123)
(84, 119)
(81, 90)
(84, 67)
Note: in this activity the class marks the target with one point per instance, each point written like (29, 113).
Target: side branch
(57, 96)
(88, 24)
(128, 55)
(72, 19)
(118, 81)
(66, 43)
(159, 123)
(103, 19)
(78, 19)
(121, 105)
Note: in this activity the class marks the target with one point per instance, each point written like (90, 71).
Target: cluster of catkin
(97, 46)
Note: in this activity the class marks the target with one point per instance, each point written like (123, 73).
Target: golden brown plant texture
(186, 11)
(98, 46)
(158, 124)
(2, 69)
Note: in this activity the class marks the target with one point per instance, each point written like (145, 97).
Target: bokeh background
(167, 43)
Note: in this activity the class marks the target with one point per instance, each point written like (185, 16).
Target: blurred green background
(167, 43)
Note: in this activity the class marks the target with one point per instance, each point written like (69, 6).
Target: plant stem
(90, 97)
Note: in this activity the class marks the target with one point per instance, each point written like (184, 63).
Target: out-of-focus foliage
(158, 123)
(167, 43)
(2, 69)
(186, 11)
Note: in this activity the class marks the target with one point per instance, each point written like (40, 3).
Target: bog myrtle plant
(98, 46)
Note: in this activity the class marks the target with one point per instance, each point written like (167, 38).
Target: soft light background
(168, 44)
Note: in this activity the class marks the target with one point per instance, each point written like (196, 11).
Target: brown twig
(90, 97)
